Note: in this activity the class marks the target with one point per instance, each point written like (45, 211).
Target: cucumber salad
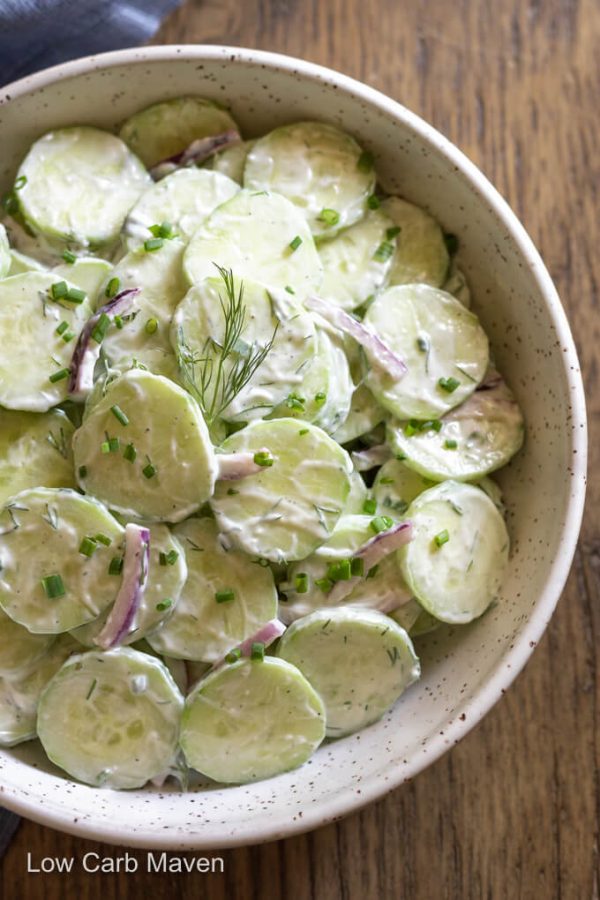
(247, 426)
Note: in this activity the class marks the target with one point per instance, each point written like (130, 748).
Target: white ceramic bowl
(465, 670)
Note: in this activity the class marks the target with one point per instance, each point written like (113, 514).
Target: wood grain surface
(512, 812)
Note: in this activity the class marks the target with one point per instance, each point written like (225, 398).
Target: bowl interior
(464, 670)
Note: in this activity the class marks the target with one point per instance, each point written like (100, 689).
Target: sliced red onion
(198, 151)
(491, 380)
(379, 354)
(233, 466)
(131, 592)
(367, 459)
(87, 351)
(265, 635)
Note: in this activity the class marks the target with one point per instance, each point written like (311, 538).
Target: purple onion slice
(131, 592)
(198, 151)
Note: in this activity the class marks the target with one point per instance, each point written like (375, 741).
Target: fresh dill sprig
(59, 442)
(217, 373)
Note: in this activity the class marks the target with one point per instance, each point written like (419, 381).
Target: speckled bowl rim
(509, 666)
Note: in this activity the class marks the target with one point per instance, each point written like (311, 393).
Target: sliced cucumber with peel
(111, 719)
(88, 273)
(421, 254)
(231, 161)
(456, 560)
(364, 415)
(35, 448)
(396, 486)
(358, 661)
(20, 649)
(250, 720)
(20, 263)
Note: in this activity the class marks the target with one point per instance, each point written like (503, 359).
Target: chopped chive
(409, 429)
(258, 651)
(357, 566)
(329, 217)
(69, 257)
(114, 444)
(116, 565)
(373, 571)
(118, 320)
(164, 230)
(373, 202)
(386, 481)
(59, 290)
(448, 384)
(119, 415)
(441, 538)
(324, 584)
(392, 232)
(224, 596)
(10, 203)
(450, 444)
(130, 453)
(339, 571)
(100, 328)
(293, 401)
(369, 507)
(233, 655)
(231, 492)
(384, 252)
(68, 336)
(102, 539)
(381, 523)
(152, 244)
(451, 242)
(168, 559)
(320, 398)
(303, 431)
(151, 326)
(60, 329)
(59, 376)
(149, 471)
(88, 546)
(263, 458)
(167, 603)
(365, 161)
(112, 288)
(54, 586)
(289, 289)
(92, 688)
(20, 182)
(75, 295)
(295, 243)
(301, 583)
(433, 425)
(82, 471)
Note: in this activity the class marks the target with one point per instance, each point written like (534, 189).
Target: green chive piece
(20, 182)
(295, 243)
(357, 566)
(409, 429)
(54, 586)
(82, 471)
(225, 596)
(329, 217)
(451, 242)
(324, 584)
(59, 376)
(112, 288)
(433, 425)
(231, 492)
(75, 295)
(102, 539)
(167, 603)
(289, 289)
(69, 257)
(381, 523)
(369, 507)
(164, 230)
(149, 471)
(116, 565)
(168, 559)
(68, 336)
(130, 453)
(91, 690)
(339, 571)
(233, 655)
(258, 651)
(88, 546)
(320, 398)
(386, 481)
(450, 444)
(393, 232)
(114, 445)
(105, 447)
(373, 571)
(365, 161)
(384, 252)
(448, 384)
(373, 202)
(263, 458)
(119, 415)
(441, 538)
(60, 329)
(118, 320)
(152, 244)
(303, 431)
(293, 401)
(100, 328)
(59, 290)
(301, 583)
(151, 326)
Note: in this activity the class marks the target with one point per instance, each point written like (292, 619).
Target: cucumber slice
(202, 627)
(421, 254)
(357, 261)
(364, 415)
(199, 323)
(41, 531)
(287, 510)
(33, 350)
(478, 437)
(5, 258)
(442, 343)
(167, 128)
(358, 661)
(111, 719)
(34, 449)
(183, 199)
(357, 496)
(81, 183)
(20, 263)
(30, 252)
(167, 573)
(20, 695)
(494, 492)
(455, 563)
(231, 161)
(20, 650)
(326, 390)
(252, 234)
(169, 470)
(144, 337)
(456, 284)
(396, 486)
(414, 619)
(87, 273)
(299, 161)
(251, 720)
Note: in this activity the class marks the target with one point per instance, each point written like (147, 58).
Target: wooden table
(512, 812)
